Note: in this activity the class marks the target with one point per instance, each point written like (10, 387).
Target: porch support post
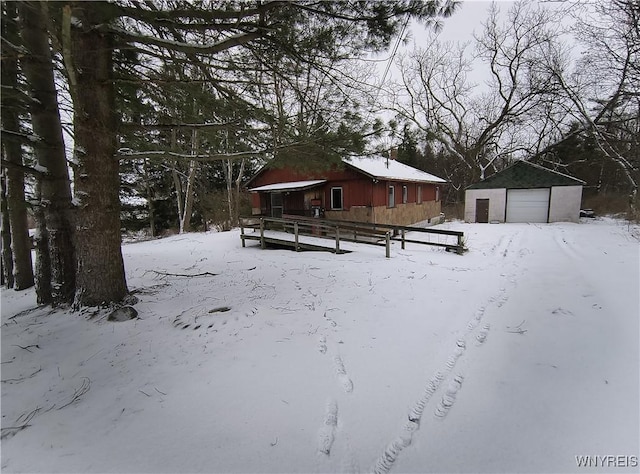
(402, 233)
(388, 244)
(262, 242)
(337, 239)
(295, 232)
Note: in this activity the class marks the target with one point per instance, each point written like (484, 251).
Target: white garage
(528, 205)
(524, 192)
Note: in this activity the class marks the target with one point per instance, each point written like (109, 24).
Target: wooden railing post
(337, 239)
(388, 244)
(262, 242)
(242, 231)
(402, 233)
(295, 232)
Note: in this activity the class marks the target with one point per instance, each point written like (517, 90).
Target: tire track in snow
(390, 454)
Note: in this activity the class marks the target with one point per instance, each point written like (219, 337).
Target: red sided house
(367, 189)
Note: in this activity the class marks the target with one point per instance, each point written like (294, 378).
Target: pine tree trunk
(55, 190)
(20, 242)
(152, 212)
(100, 277)
(43, 259)
(17, 207)
(7, 255)
(150, 201)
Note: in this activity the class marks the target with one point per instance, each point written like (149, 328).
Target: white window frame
(405, 194)
(333, 204)
(437, 193)
(391, 196)
(419, 194)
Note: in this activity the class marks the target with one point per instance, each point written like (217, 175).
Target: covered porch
(300, 198)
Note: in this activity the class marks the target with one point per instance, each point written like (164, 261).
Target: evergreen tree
(12, 107)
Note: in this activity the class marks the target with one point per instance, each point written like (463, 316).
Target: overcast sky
(458, 27)
(461, 25)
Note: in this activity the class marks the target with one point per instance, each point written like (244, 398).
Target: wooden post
(402, 233)
(262, 242)
(388, 244)
(460, 248)
(337, 239)
(295, 232)
(242, 232)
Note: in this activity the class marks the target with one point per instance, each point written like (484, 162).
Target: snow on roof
(290, 186)
(380, 167)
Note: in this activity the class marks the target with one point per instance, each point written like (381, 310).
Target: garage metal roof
(523, 175)
(290, 186)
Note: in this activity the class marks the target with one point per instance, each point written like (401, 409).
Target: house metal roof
(290, 186)
(380, 167)
(524, 175)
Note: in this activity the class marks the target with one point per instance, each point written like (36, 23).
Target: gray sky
(461, 25)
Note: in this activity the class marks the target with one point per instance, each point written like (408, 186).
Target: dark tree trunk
(55, 190)
(7, 255)
(44, 294)
(17, 207)
(100, 275)
(150, 201)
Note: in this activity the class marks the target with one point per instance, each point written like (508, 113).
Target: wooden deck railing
(361, 232)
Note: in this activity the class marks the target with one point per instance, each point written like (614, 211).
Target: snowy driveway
(518, 356)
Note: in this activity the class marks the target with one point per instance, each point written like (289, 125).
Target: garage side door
(528, 205)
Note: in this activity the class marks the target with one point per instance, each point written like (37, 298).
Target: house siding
(402, 214)
(565, 203)
(363, 198)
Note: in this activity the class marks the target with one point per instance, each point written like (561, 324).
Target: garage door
(528, 205)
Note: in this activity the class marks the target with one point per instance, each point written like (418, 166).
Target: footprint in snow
(482, 335)
(326, 434)
(449, 397)
(322, 344)
(346, 382)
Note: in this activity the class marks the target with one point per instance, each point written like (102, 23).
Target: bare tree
(603, 90)
(476, 124)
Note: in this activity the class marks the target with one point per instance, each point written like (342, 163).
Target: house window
(336, 198)
(405, 194)
(437, 193)
(277, 205)
(392, 196)
(419, 194)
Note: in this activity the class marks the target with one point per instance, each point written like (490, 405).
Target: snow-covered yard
(518, 356)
